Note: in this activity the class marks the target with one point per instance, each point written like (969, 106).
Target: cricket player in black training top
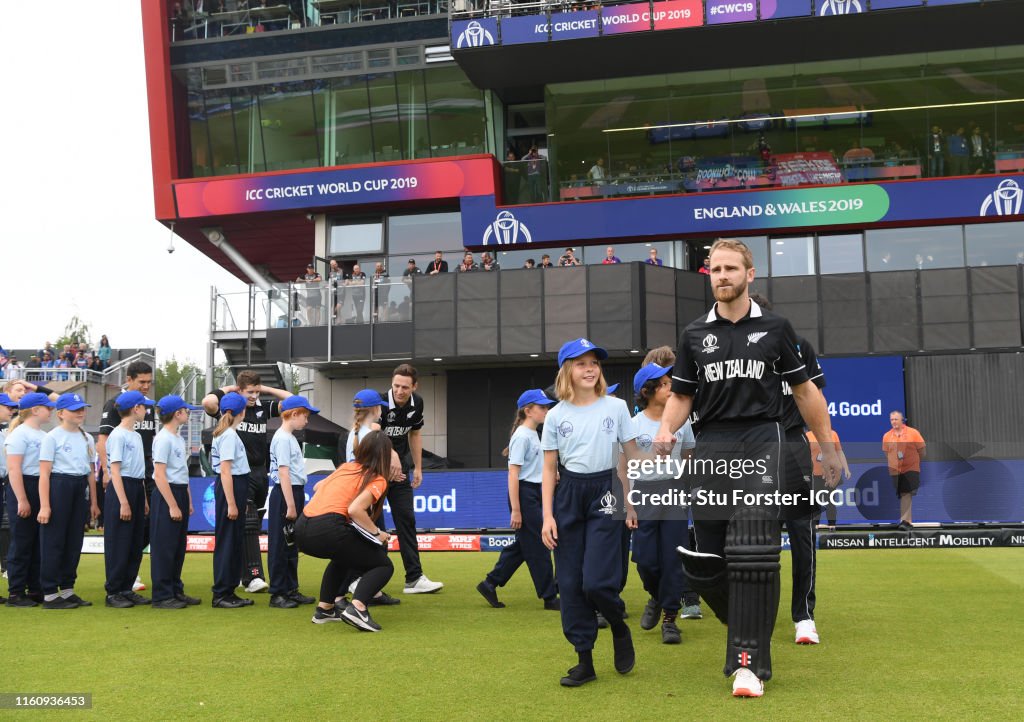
(729, 371)
(253, 433)
(402, 420)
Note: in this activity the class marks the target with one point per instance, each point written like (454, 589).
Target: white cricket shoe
(422, 586)
(747, 684)
(257, 585)
(806, 632)
(138, 586)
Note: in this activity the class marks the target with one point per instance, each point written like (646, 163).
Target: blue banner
(524, 29)
(785, 9)
(474, 33)
(567, 26)
(859, 411)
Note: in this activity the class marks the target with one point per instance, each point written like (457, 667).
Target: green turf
(917, 634)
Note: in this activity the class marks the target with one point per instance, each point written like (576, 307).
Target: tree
(76, 331)
(169, 373)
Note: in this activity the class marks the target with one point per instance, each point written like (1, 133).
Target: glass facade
(434, 112)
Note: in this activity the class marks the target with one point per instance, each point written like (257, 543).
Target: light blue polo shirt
(285, 450)
(524, 452)
(169, 449)
(360, 434)
(126, 447)
(70, 451)
(26, 442)
(587, 437)
(229, 447)
(646, 430)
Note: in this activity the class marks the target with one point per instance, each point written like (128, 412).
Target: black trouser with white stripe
(800, 521)
(252, 564)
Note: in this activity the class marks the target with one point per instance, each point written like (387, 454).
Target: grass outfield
(906, 634)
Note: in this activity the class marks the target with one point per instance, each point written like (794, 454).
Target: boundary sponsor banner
(864, 205)
(924, 539)
(731, 11)
(439, 179)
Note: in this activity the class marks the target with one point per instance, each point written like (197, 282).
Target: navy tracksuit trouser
(23, 553)
(528, 547)
(123, 541)
(167, 541)
(230, 536)
(60, 539)
(283, 560)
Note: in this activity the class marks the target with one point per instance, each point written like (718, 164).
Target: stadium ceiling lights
(729, 121)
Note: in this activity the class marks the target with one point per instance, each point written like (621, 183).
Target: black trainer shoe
(553, 604)
(323, 616)
(118, 601)
(242, 602)
(578, 676)
(625, 656)
(360, 620)
(36, 597)
(670, 633)
(300, 598)
(602, 623)
(59, 603)
(229, 602)
(652, 611)
(171, 603)
(341, 604)
(79, 601)
(136, 598)
(383, 600)
(190, 601)
(488, 592)
(20, 600)
(279, 601)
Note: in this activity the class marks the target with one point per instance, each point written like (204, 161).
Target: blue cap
(29, 401)
(646, 373)
(575, 349)
(131, 399)
(298, 402)
(6, 400)
(233, 402)
(612, 389)
(173, 403)
(367, 399)
(534, 396)
(71, 402)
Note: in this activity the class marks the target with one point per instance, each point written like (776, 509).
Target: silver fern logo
(755, 337)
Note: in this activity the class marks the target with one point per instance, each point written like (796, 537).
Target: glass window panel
(387, 140)
(347, 120)
(248, 133)
(407, 56)
(903, 249)
(338, 62)
(412, 114)
(456, 113)
(380, 58)
(758, 246)
(792, 256)
(627, 252)
(517, 259)
(199, 138)
(353, 239)
(995, 244)
(425, 233)
(841, 253)
(287, 124)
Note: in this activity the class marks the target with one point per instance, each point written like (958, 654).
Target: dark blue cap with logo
(648, 372)
(6, 400)
(367, 399)
(131, 399)
(575, 349)
(534, 396)
(71, 402)
(30, 401)
(298, 402)
(173, 403)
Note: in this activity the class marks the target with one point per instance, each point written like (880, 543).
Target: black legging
(329, 536)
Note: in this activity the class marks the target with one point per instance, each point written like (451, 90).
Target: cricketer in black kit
(253, 433)
(729, 371)
(402, 419)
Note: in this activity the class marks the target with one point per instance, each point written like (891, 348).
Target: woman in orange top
(904, 449)
(337, 524)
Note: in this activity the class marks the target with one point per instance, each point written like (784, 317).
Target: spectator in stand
(705, 267)
(381, 289)
(47, 347)
(336, 279)
(312, 279)
(978, 151)
(596, 173)
(569, 258)
(652, 258)
(610, 257)
(47, 363)
(438, 265)
(81, 360)
(936, 153)
(4, 361)
(489, 264)
(534, 174)
(34, 362)
(530, 263)
(412, 269)
(104, 351)
(958, 153)
(95, 364)
(358, 283)
(513, 178)
(15, 369)
(467, 263)
(545, 262)
(62, 364)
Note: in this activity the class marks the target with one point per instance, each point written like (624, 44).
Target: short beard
(728, 295)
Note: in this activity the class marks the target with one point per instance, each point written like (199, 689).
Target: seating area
(202, 19)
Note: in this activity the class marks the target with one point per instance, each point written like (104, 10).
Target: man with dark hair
(140, 378)
(253, 433)
(438, 265)
(402, 421)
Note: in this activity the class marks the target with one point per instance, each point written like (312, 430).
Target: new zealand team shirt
(587, 438)
(398, 421)
(791, 418)
(169, 449)
(253, 433)
(71, 452)
(735, 370)
(146, 429)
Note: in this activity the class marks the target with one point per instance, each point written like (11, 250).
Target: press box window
(353, 239)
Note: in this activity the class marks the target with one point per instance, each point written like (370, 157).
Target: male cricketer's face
(729, 277)
(251, 394)
(142, 383)
(402, 388)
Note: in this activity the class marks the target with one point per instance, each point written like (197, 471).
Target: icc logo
(710, 343)
(474, 36)
(608, 503)
(841, 7)
(507, 230)
(1005, 200)
(608, 424)
(565, 429)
